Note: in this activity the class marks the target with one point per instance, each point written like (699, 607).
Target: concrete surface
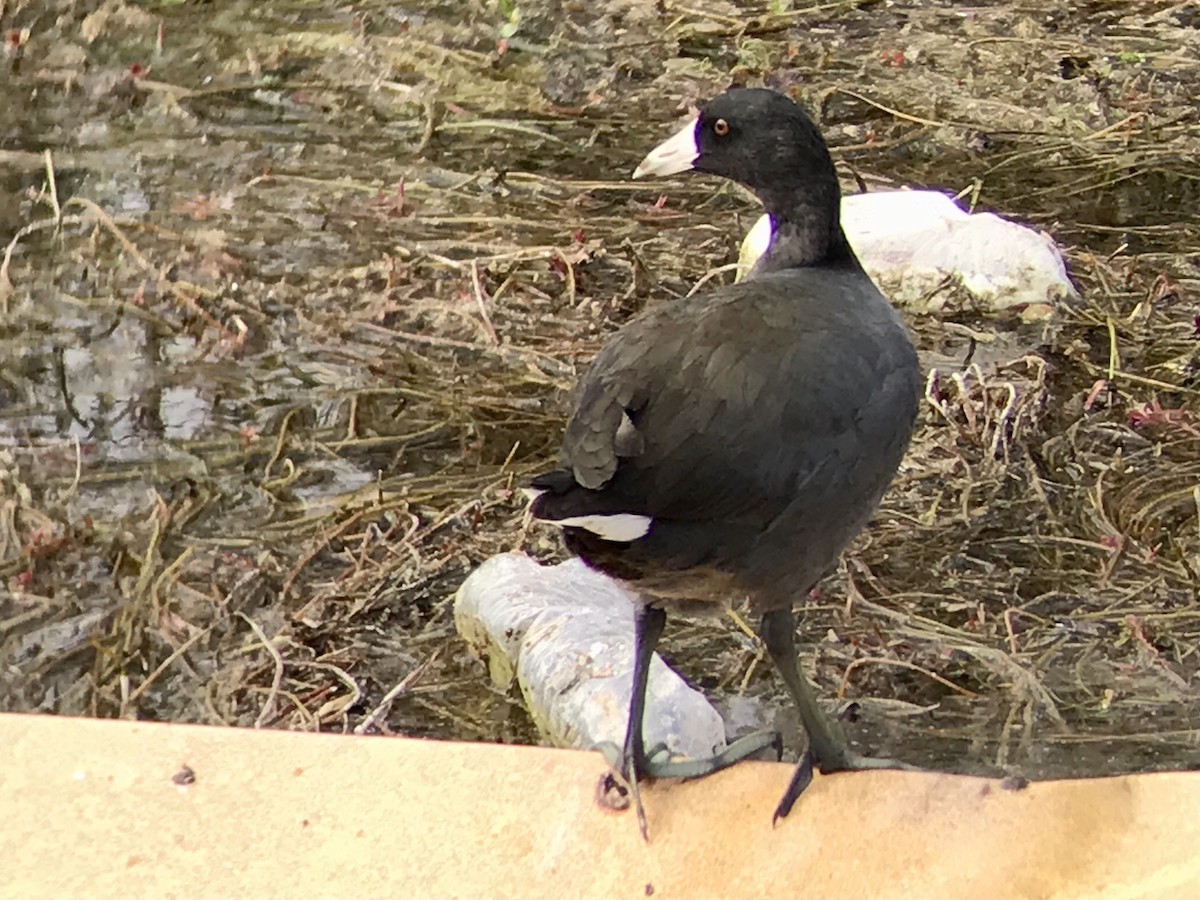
(103, 809)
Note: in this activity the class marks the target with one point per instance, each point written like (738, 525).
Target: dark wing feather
(779, 368)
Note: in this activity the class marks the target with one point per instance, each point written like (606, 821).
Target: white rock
(926, 253)
(566, 633)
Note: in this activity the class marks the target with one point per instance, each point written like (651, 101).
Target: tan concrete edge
(97, 809)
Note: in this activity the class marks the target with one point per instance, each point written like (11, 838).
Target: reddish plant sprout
(1152, 414)
(391, 205)
(1098, 388)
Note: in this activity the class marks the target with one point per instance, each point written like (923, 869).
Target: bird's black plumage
(769, 415)
(772, 416)
(757, 426)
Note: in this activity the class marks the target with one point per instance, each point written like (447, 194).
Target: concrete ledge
(99, 809)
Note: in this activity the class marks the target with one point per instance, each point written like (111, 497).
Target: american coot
(732, 443)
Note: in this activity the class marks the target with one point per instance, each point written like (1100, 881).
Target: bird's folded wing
(727, 427)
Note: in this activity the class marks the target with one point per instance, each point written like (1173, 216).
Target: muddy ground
(292, 294)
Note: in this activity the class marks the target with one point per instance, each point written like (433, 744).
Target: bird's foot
(618, 788)
(842, 760)
(660, 764)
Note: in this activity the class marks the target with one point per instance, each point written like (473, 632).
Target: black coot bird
(732, 443)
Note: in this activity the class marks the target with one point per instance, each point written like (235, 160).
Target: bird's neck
(806, 229)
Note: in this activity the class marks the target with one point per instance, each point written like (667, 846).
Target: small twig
(481, 302)
(280, 444)
(1004, 421)
(179, 289)
(743, 626)
(892, 112)
(385, 705)
(431, 340)
(569, 271)
(342, 703)
(153, 546)
(903, 664)
(276, 682)
(111, 226)
(501, 125)
(430, 124)
(52, 183)
(171, 570)
(1008, 626)
(710, 275)
(317, 547)
(1114, 356)
(60, 371)
(706, 14)
(508, 353)
(6, 285)
(1104, 132)
(183, 648)
(74, 485)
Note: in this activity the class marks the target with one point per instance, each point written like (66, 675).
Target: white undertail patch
(623, 527)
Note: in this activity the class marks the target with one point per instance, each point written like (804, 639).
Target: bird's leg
(632, 762)
(826, 743)
(825, 739)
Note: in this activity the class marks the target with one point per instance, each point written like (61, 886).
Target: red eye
(720, 128)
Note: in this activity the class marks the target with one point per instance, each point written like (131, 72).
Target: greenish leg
(826, 743)
(632, 762)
